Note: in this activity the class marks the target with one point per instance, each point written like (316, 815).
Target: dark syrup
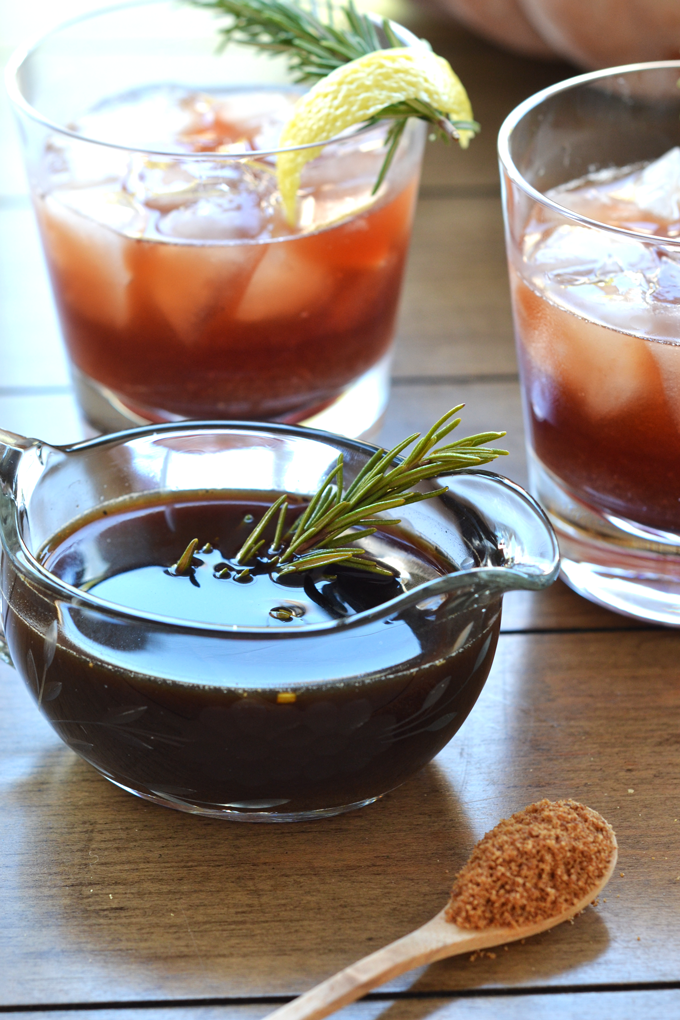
(235, 719)
(127, 558)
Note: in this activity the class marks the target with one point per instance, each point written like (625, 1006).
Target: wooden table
(115, 908)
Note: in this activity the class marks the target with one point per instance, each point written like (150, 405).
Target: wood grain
(110, 901)
(621, 1005)
(106, 898)
(455, 313)
(560, 608)
(415, 405)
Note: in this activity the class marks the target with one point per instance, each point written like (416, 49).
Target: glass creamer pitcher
(284, 718)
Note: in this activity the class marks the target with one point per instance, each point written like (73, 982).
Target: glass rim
(27, 562)
(520, 111)
(502, 578)
(25, 50)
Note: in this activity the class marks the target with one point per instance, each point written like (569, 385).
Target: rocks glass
(591, 179)
(182, 290)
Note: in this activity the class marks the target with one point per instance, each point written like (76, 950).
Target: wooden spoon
(435, 940)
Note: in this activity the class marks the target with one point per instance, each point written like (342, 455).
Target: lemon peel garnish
(357, 91)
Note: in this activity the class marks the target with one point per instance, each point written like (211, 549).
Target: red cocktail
(592, 188)
(181, 287)
(600, 398)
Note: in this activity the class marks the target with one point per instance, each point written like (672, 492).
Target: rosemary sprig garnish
(337, 517)
(319, 37)
(313, 47)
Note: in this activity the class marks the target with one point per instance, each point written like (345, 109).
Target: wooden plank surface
(475, 1006)
(107, 900)
(630, 1005)
(456, 308)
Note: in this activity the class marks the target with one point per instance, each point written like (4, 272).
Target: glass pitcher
(262, 722)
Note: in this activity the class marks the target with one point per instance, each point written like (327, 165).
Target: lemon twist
(357, 91)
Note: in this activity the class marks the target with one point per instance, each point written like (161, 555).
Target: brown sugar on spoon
(534, 870)
(532, 866)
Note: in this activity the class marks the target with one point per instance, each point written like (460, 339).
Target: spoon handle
(433, 941)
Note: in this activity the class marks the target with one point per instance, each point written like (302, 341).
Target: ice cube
(586, 254)
(360, 295)
(610, 371)
(374, 235)
(667, 357)
(150, 118)
(666, 289)
(232, 216)
(646, 200)
(348, 164)
(285, 284)
(617, 281)
(258, 115)
(106, 205)
(73, 163)
(604, 371)
(166, 184)
(160, 184)
(88, 259)
(191, 282)
(655, 189)
(319, 210)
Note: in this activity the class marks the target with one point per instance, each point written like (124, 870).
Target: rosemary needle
(184, 562)
(318, 39)
(337, 517)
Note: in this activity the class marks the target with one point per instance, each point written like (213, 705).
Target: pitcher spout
(12, 446)
(12, 441)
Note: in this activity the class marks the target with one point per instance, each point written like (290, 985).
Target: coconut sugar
(532, 866)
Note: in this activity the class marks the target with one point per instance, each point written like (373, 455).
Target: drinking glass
(595, 281)
(182, 290)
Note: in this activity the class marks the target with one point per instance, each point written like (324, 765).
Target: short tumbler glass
(597, 321)
(182, 290)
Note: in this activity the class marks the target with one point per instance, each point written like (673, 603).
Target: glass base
(4, 651)
(626, 567)
(357, 412)
(267, 812)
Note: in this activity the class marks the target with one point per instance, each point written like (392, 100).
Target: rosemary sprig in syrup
(317, 39)
(337, 516)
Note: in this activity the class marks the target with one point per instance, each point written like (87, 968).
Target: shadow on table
(135, 900)
(129, 900)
